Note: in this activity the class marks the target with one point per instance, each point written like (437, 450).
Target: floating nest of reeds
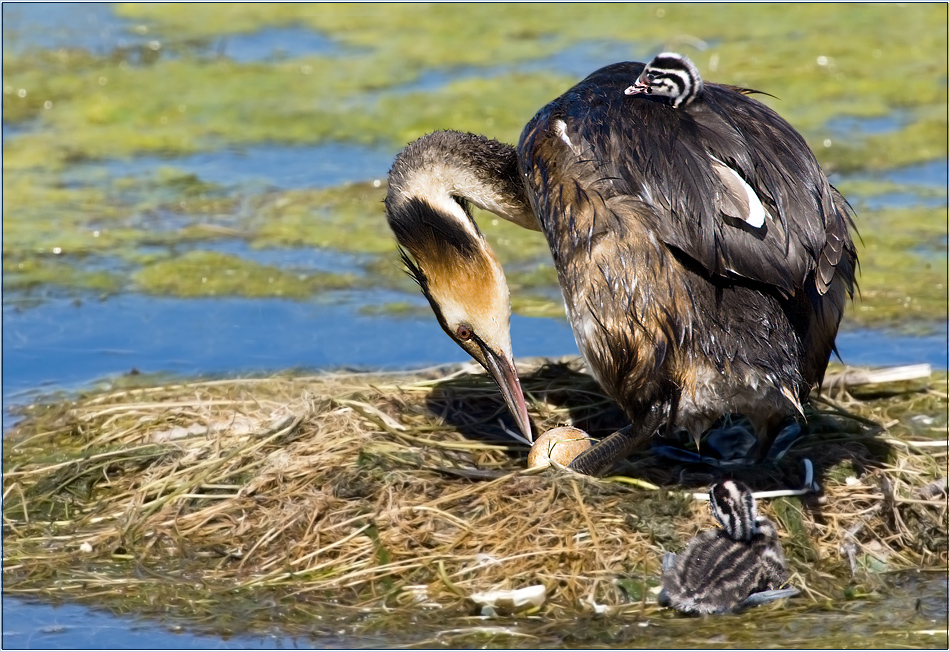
(393, 493)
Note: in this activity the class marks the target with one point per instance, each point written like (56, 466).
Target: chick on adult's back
(703, 257)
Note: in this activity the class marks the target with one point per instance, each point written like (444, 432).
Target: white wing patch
(742, 196)
(560, 128)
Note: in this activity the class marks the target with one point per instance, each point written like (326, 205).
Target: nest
(222, 501)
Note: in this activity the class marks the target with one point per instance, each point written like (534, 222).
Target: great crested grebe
(704, 259)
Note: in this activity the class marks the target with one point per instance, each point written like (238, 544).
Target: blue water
(927, 186)
(304, 258)
(46, 26)
(932, 173)
(874, 348)
(95, 27)
(58, 344)
(897, 200)
(63, 345)
(29, 625)
(259, 167)
(847, 126)
(274, 43)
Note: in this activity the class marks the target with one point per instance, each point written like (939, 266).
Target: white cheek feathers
(560, 445)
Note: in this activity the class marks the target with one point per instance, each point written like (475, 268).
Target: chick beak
(638, 87)
(502, 370)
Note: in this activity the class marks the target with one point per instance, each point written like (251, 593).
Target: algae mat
(101, 194)
(360, 503)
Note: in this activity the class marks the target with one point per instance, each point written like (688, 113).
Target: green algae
(25, 275)
(210, 274)
(899, 282)
(820, 61)
(183, 103)
(346, 218)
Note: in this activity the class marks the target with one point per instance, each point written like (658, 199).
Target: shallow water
(849, 126)
(926, 182)
(576, 61)
(260, 167)
(31, 625)
(95, 27)
(274, 44)
(62, 344)
(931, 173)
(913, 613)
(59, 345)
(46, 26)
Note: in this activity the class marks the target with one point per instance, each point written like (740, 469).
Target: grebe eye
(651, 77)
(464, 333)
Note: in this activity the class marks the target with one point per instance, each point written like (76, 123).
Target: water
(575, 61)
(48, 26)
(60, 345)
(29, 625)
(95, 27)
(898, 200)
(931, 173)
(914, 602)
(258, 167)
(927, 184)
(322, 260)
(847, 126)
(274, 44)
(63, 345)
(875, 348)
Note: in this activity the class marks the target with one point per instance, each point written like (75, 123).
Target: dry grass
(387, 491)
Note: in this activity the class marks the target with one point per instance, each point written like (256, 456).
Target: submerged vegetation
(83, 115)
(365, 502)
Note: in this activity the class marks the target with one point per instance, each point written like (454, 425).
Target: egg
(559, 445)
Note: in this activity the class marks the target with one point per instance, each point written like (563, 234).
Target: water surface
(65, 344)
(258, 167)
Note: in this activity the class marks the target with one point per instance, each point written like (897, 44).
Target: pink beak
(638, 87)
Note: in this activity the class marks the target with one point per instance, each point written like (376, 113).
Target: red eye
(464, 333)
